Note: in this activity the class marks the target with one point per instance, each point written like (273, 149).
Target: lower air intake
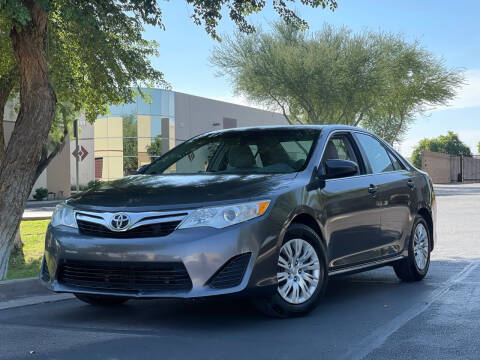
(231, 274)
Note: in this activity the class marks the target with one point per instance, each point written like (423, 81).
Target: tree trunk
(7, 82)
(37, 111)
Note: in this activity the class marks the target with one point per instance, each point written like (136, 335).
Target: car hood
(172, 192)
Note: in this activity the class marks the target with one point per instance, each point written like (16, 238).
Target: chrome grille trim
(136, 218)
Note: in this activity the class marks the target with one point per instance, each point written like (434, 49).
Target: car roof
(327, 128)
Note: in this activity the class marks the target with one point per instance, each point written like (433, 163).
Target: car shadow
(368, 291)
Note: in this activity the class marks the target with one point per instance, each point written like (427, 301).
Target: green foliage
(208, 13)
(7, 61)
(478, 147)
(446, 144)
(95, 52)
(14, 10)
(154, 150)
(375, 80)
(40, 194)
(94, 183)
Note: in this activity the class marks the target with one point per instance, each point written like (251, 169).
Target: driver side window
(339, 147)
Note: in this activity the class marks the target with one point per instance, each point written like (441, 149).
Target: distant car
(269, 212)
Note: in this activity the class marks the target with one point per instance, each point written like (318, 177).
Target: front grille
(230, 274)
(126, 276)
(149, 230)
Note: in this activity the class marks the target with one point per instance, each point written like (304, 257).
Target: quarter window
(376, 154)
(396, 164)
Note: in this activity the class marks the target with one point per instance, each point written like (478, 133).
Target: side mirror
(336, 168)
(142, 169)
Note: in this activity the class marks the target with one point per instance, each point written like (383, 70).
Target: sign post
(77, 155)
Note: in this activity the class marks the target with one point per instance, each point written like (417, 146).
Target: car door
(395, 193)
(350, 213)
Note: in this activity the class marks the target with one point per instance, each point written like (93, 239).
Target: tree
(375, 80)
(478, 147)
(154, 150)
(446, 144)
(83, 54)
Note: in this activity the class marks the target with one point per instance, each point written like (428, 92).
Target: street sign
(82, 154)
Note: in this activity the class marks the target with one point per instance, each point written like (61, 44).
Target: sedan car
(268, 212)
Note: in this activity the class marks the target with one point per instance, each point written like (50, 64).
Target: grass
(28, 264)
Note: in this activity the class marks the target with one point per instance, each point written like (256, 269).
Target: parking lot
(370, 315)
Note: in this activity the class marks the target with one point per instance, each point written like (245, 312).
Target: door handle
(372, 189)
(410, 184)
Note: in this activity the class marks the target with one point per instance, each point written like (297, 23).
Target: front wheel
(101, 300)
(415, 266)
(301, 274)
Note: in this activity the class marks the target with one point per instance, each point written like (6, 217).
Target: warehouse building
(135, 134)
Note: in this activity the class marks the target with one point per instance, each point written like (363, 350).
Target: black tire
(101, 300)
(407, 268)
(274, 305)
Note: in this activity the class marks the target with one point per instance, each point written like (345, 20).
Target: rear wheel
(415, 266)
(101, 300)
(301, 274)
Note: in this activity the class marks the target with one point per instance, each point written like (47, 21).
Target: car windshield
(240, 152)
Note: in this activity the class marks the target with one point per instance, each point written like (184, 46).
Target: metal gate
(470, 167)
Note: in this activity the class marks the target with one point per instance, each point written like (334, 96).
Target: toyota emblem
(120, 222)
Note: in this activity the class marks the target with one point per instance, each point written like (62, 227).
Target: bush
(40, 194)
(447, 144)
(93, 183)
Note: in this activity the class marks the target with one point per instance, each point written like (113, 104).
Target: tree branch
(46, 158)
(283, 109)
(360, 118)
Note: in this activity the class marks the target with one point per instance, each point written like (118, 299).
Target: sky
(448, 29)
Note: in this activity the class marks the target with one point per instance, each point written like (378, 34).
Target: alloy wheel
(299, 271)
(420, 246)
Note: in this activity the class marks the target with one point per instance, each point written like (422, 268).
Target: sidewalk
(39, 210)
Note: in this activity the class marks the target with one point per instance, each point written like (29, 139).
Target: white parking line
(380, 335)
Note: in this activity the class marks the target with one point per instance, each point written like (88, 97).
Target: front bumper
(202, 251)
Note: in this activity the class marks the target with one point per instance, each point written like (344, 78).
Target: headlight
(63, 215)
(223, 216)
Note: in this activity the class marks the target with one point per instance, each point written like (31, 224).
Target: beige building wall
(144, 124)
(87, 165)
(58, 173)
(437, 165)
(109, 146)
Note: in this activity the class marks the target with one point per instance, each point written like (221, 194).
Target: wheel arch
(308, 219)
(425, 213)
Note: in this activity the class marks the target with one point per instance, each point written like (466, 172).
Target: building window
(229, 123)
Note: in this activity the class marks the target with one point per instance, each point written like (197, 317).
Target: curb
(34, 300)
(19, 288)
(30, 218)
(29, 291)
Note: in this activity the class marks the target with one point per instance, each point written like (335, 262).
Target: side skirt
(363, 267)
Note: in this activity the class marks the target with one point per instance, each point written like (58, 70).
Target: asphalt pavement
(370, 315)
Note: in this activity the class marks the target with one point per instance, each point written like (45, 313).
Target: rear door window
(376, 154)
